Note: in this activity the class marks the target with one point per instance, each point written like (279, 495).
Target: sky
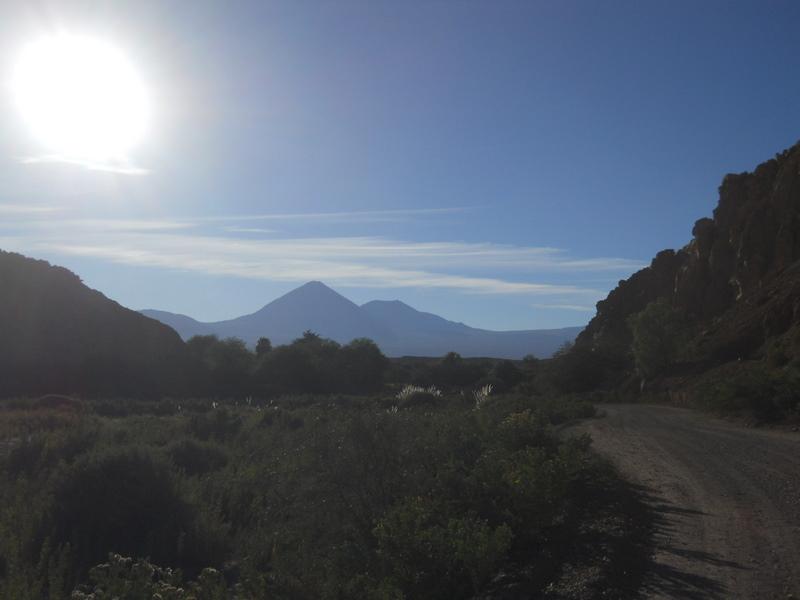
(503, 164)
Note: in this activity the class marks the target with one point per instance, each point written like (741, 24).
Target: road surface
(726, 500)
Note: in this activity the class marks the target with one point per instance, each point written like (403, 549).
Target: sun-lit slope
(57, 335)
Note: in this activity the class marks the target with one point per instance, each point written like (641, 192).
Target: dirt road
(726, 500)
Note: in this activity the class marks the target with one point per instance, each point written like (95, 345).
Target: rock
(735, 279)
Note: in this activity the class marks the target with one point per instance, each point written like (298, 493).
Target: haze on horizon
(503, 165)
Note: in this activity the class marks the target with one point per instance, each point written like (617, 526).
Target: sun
(81, 97)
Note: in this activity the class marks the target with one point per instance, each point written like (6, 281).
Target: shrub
(220, 424)
(197, 458)
(481, 395)
(765, 394)
(507, 374)
(413, 395)
(286, 419)
(576, 369)
(323, 497)
(122, 578)
(658, 333)
(122, 501)
(431, 553)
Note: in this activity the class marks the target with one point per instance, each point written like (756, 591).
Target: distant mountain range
(397, 328)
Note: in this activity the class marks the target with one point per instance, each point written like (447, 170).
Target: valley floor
(725, 500)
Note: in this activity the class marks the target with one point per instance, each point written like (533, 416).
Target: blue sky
(499, 163)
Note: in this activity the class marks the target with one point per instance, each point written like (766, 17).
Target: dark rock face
(737, 258)
(59, 336)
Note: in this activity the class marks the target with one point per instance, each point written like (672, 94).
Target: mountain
(186, 327)
(426, 334)
(312, 306)
(57, 335)
(397, 328)
(737, 282)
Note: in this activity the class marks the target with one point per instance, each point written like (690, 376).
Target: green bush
(429, 553)
(126, 501)
(766, 394)
(658, 337)
(285, 419)
(323, 497)
(123, 578)
(419, 399)
(197, 458)
(220, 424)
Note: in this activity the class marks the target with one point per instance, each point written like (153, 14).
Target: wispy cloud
(373, 262)
(119, 167)
(360, 216)
(574, 307)
(33, 221)
(248, 230)
(118, 225)
(207, 255)
(24, 210)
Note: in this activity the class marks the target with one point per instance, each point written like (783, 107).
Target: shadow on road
(660, 577)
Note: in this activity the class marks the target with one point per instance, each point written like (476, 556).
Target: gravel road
(726, 500)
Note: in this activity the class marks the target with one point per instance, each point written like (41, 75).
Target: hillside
(396, 327)
(57, 335)
(736, 283)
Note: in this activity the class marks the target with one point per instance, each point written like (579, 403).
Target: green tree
(453, 371)
(658, 332)
(576, 368)
(309, 337)
(263, 346)
(530, 361)
(507, 375)
(363, 366)
(310, 364)
(224, 366)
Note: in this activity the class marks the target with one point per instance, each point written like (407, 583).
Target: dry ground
(726, 500)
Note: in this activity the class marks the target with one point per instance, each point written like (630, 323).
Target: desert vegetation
(302, 495)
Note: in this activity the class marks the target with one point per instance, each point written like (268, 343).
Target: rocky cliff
(736, 281)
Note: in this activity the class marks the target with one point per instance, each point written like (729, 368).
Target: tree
(309, 365)
(507, 375)
(224, 366)
(363, 365)
(530, 364)
(309, 337)
(563, 349)
(263, 346)
(576, 368)
(658, 332)
(453, 371)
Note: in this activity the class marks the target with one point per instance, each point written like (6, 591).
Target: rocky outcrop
(737, 262)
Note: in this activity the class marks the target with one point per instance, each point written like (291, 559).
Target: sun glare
(81, 97)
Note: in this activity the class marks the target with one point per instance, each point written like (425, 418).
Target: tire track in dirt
(725, 500)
